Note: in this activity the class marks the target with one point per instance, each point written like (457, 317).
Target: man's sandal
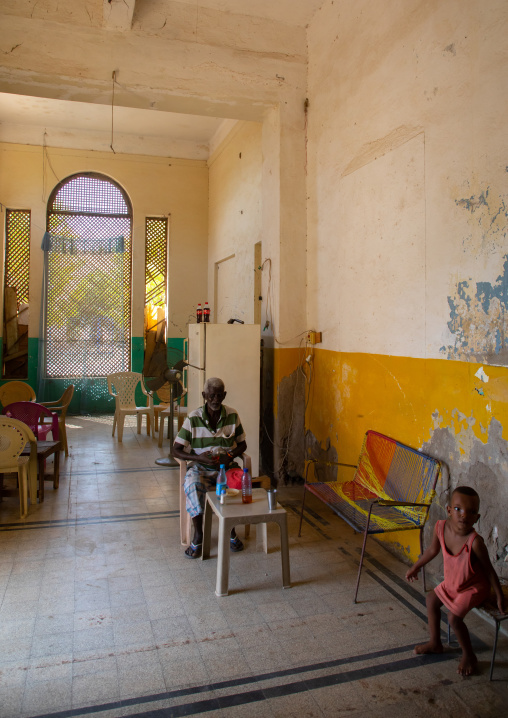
(235, 544)
(194, 550)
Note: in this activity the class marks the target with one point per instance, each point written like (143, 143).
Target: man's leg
(197, 482)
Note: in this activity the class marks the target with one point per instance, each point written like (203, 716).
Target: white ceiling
(291, 12)
(27, 120)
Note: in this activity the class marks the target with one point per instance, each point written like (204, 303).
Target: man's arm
(233, 453)
(205, 458)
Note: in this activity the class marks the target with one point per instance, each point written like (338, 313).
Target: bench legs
(301, 513)
(365, 534)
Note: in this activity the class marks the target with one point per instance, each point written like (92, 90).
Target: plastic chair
(60, 407)
(31, 413)
(16, 391)
(122, 386)
(14, 436)
(164, 396)
(185, 519)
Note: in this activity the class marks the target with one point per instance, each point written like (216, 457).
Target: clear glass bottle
(246, 487)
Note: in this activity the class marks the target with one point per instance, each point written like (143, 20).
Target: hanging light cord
(112, 112)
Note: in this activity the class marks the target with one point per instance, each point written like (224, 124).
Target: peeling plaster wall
(407, 229)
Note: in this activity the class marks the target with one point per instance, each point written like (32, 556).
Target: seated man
(204, 433)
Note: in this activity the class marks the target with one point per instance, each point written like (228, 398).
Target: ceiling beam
(118, 14)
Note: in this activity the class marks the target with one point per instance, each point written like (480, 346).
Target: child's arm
(481, 553)
(427, 555)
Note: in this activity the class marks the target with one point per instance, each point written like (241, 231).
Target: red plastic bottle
(206, 313)
(199, 314)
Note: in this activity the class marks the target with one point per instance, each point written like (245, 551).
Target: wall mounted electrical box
(314, 337)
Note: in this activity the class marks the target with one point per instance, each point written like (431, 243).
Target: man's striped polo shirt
(196, 435)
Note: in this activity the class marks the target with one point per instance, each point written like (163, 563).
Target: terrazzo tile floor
(102, 615)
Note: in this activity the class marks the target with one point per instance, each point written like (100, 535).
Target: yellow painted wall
(409, 399)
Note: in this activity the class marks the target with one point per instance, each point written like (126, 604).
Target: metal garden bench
(392, 489)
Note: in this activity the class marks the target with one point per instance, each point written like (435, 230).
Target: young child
(468, 575)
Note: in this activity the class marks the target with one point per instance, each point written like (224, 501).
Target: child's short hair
(466, 491)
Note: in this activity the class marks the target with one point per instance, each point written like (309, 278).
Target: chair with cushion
(60, 407)
(31, 414)
(14, 436)
(16, 391)
(122, 385)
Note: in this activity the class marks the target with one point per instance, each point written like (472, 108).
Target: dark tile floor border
(88, 520)
(284, 689)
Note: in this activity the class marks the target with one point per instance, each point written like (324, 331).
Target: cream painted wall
(156, 186)
(407, 174)
(407, 239)
(235, 221)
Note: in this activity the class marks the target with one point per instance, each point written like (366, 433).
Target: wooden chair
(122, 385)
(60, 407)
(392, 489)
(16, 391)
(14, 436)
(185, 519)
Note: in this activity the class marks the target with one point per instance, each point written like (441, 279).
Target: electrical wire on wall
(46, 162)
(305, 360)
(112, 111)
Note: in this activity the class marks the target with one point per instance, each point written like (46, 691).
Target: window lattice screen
(88, 279)
(17, 252)
(156, 260)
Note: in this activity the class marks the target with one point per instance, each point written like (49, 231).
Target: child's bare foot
(468, 665)
(429, 647)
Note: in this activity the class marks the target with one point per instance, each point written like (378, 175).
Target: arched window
(88, 278)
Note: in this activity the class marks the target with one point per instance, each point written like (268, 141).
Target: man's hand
(209, 459)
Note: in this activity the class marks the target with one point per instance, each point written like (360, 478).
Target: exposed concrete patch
(325, 455)
(479, 320)
(485, 468)
(290, 464)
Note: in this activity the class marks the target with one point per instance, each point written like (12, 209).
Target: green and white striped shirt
(196, 435)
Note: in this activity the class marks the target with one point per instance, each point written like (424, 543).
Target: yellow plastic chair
(60, 406)
(122, 385)
(14, 436)
(16, 391)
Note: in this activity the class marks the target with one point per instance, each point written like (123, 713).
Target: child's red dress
(464, 587)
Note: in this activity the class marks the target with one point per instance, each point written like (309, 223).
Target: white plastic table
(235, 513)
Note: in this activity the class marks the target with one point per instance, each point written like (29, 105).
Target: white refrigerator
(232, 353)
